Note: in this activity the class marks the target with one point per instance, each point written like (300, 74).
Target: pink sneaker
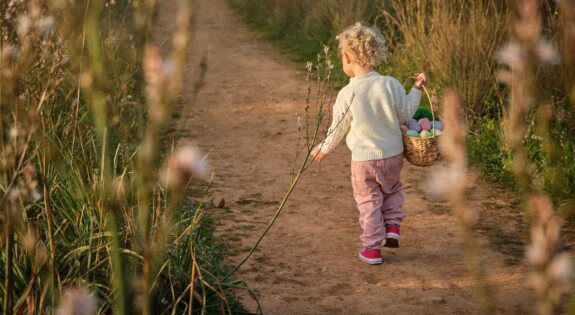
(370, 256)
(392, 236)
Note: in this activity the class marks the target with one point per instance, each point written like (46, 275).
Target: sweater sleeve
(406, 104)
(340, 123)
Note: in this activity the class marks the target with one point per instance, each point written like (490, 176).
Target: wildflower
(14, 194)
(182, 165)
(45, 25)
(512, 55)
(546, 52)
(24, 25)
(30, 239)
(14, 132)
(35, 195)
(561, 268)
(77, 301)
(446, 179)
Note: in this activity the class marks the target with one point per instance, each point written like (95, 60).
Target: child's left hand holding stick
(317, 154)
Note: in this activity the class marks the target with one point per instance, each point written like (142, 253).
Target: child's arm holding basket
(407, 104)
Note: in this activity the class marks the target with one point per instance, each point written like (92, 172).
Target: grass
(84, 117)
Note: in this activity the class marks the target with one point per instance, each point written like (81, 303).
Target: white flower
(561, 268)
(14, 132)
(184, 163)
(45, 25)
(512, 55)
(546, 52)
(536, 254)
(24, 25)
(309, 66)
(77, 301)
(14, 194)
(445, 179)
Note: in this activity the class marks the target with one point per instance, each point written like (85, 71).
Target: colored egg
(425, 124)
(403, 128)
(424, 134)
(437, 132)
(413, 133)
(414, 126)
(437, 124)
(412, 120)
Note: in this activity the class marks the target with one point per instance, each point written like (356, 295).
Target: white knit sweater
(369, 110)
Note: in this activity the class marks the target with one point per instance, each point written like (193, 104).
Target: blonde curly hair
(364, 45)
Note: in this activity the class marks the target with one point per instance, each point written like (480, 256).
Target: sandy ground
(245, 117)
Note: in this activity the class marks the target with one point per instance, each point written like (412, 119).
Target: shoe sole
(371, 261)
(391, 241)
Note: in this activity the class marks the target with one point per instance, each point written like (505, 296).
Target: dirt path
(246, 118)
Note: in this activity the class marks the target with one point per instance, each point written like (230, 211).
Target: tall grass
(456, 43)
(85, 100)
(302, 27)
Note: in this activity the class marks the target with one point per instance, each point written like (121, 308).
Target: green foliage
(495, 164)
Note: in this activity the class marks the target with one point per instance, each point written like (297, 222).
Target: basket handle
(432, 111)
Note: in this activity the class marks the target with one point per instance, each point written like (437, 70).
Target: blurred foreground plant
(86, 220)
(453, 181)
(524, 55)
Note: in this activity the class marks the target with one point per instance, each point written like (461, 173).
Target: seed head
(184, 163)
(77, 301)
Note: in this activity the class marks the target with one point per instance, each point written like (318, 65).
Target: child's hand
(317, 154)
(420, 80)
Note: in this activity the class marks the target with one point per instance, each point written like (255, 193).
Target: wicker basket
(421, 151)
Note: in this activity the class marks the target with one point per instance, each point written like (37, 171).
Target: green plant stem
(117, 271)
(51, 240)
(9, 272)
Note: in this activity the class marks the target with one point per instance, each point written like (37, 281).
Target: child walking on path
(368, 112)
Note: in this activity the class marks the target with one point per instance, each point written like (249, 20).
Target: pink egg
(425, 124)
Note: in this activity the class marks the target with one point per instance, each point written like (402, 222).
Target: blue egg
(413, 133)
(414, 126)
(437, 124)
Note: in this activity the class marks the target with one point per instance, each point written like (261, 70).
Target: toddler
(368, 112)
